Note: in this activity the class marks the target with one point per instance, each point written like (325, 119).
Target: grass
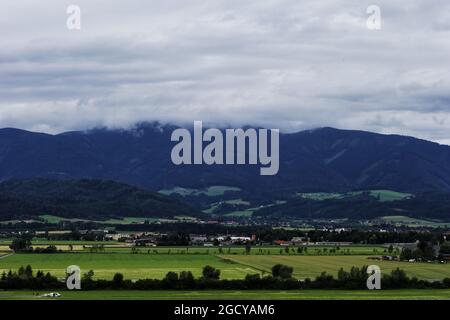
(54, 219)
(232, 266)
(238, 250)
(320, 195)
(115, 246)
(412, 222)
(312, 266)
(4, 249)
(388, 195)
(241, 213)
(126, 220)
(18, 221)
(132, 266)
(381, 195)
(236, 295)
(249, 211)
(238, 202)
(212, 191)
(40, 241)
(234, 202)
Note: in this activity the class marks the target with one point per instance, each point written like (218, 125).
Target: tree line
(281, 278)
(263, 235)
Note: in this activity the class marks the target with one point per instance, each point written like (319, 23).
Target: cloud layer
(287, 64)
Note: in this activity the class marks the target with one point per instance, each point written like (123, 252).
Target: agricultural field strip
(312, 266)
(138, 266)
(242, 263)
(133, 266)
(417, 294)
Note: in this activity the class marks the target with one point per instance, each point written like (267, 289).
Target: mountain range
(85, 198)
(320, 160)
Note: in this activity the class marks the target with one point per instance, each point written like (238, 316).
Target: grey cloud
(288, 64)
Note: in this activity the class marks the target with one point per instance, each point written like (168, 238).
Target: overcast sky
(285, 64)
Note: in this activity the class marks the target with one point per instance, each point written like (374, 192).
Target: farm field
(236, 295)
(312, 266)
(381, 195)
(212, 191)
(123, 221)
(60, 242)
(144, 265)
(238, 250)
(121, 247)
(412, 222)
(132, 266)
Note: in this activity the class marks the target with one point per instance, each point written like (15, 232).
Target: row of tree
(23, 244)
(281, 278)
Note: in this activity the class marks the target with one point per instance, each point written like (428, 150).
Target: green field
(212, 191)
(269, 250)
(121, 247)
(412, 222)
(236, 295)
(241, 213)
(132, 266)
(122, 221)
(138, 266)
(248, 212)
(381, 195)
(234, 202)
(41, 241)
(312, 266)
(117, 247)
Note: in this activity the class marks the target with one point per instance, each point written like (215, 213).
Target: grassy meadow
(381, 195)
(312, 266)
(132, 266)
(233, 266)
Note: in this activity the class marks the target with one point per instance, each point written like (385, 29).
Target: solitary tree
(186, 277)
(248, 248)
(282, 271)
(211, 273)
(118, 280)
(22, 243)
(28, 272)
(390, 249)
(171, 279)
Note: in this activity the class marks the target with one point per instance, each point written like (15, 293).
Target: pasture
(233, 266)
(413, 222)
(121, 247)
(381, 195)
(212, 191)
(132, 266)
(312, 266)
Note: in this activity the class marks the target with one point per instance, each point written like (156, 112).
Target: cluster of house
(154, 239)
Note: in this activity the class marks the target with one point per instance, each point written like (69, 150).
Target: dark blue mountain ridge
(324, 159)
(85, 198)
